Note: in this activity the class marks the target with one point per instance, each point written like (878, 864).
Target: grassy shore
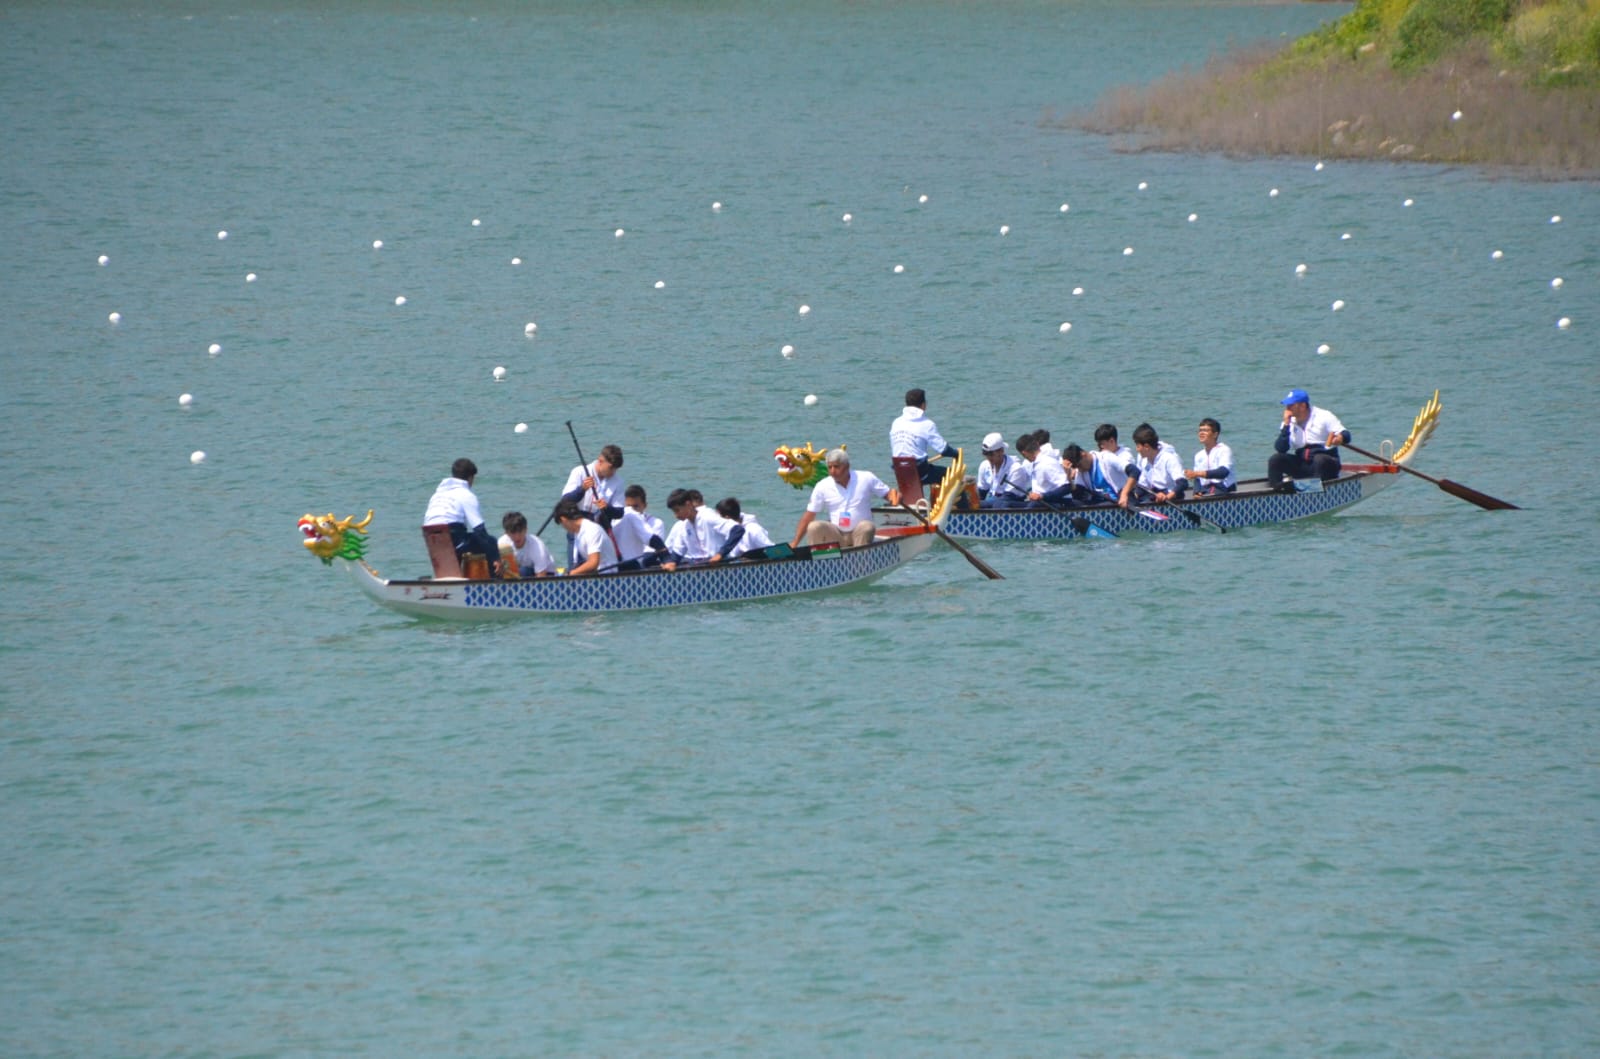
(1506, 84)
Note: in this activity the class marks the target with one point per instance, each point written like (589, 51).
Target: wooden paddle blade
(1472, 496)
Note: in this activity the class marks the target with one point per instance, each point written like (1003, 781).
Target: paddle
(1196, 519)
(1456, 489)
(988, 571)
(1084, 527)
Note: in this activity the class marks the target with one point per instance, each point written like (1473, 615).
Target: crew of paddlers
(609, 528)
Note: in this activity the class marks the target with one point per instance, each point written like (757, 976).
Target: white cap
(994, 442)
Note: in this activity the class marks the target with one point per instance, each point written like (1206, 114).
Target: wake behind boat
(783, 571)
(1254, 503)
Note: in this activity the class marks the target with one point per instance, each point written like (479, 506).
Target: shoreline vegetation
(1498, 83)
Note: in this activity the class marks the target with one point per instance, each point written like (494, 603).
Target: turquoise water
(1322, 788)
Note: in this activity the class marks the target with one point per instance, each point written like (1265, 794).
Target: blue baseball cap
(1295, 397)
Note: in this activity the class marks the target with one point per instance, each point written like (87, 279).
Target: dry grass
(1256, 104)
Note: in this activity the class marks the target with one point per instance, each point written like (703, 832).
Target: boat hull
(1248, 507)
(640, 590)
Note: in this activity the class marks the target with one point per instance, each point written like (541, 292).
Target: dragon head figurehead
(801, 467)
(328, 538)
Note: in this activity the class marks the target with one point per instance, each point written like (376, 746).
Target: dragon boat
(1255, 503)
(782, 571)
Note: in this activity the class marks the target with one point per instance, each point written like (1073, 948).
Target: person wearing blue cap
(1308, 444)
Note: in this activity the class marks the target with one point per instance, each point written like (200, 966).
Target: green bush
(1433, 27)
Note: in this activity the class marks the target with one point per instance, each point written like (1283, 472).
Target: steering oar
(1456, 489)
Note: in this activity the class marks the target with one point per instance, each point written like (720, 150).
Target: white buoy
(804, 309)
(1143, 185)
(1077, 292)
(516, 261)
(1193, 217)
(520, 428)
(377, 244)
(1322, 350)
(1127, 251)
(899, 269)
(1456, 116)
(197, 456)
(1555, 284)
(1338, 303)
(499, 375)
(1317, 167)
(1005, 229)
(1065, 207)
(661, 284)
(620, 233)
(185, 400)
(104, 259)
(1300, 270)
(1497, 255)
(222, 234)
(249, 277)
(1345, 236)
(400, 299)
(1564, 323)
(1272, 194)
(716, 206)
(787, 351)
(1556, 219)
(1065, 327)
(214, 348)
(847, 218)
(1407, 202)
(115, 318)
(476, 222)
(923, 199)
(530, 328)
(811, 399)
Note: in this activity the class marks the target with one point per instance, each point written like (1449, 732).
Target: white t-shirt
(1047, 472)
(714, 530)
(684, 539)
(532, 558)
(589, 540)
(845, 506)
(1113, 467)
(1012, 479)
(610, 489)
(632, 535)
(1321, 424)
(1219, 457)
(453, 501)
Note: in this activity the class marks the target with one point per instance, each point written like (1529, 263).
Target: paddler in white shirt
(1157, 475)
(1213, 462)
(596, 486)
(1112, 462)
(1003, 480)
(592, 550)
(521, 553)
(755, 536)
(707, 537)
(1048, 484)
(1307, 445)
(846, 497)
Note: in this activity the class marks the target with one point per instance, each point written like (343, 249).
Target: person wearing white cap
(1003, 480)
(914, 435)
(1307, 445)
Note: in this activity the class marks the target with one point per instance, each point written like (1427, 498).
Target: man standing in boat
(1307, 445)
(914, 436)
(455, 506)
(597, 487)
(846, 496)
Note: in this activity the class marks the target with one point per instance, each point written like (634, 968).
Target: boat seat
(906, 479)
(441, 551)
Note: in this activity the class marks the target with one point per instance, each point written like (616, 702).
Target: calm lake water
(1316, 789)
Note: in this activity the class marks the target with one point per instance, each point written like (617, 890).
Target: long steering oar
(988, 571)
(1471, 496)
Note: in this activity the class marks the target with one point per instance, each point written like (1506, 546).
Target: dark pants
(476, 539)
(929, 472)
(1323, 464)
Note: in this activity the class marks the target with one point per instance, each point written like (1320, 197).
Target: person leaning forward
(846, 497)
(1307, 445)
(455, 505)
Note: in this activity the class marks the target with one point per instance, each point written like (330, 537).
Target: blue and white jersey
(1218, 458)
(610, 489)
